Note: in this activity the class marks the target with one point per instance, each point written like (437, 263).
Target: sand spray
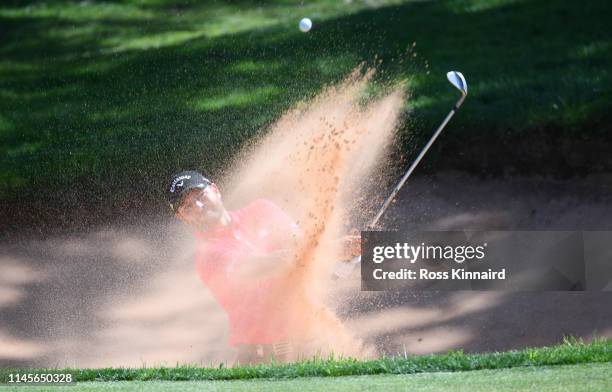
(315, 162)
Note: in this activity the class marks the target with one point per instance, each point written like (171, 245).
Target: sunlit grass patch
(237, 98)
(78, 11)
(152, 41)
(572, 351)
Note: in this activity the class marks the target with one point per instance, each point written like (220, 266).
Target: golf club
(458, 81)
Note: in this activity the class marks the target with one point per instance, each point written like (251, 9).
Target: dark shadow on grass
(100, 129)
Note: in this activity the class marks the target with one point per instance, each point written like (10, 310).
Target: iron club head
(457, 80)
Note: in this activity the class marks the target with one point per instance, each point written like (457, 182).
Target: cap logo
(176, 183)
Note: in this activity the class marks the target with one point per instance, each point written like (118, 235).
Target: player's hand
(352, 245)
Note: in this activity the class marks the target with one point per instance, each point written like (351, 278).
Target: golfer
(244, 258)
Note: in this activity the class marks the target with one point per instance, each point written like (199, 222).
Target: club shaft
(400, 184)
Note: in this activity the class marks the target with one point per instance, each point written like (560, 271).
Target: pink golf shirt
(254, 308)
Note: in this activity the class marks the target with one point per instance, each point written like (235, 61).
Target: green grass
(101, 101)
(570, 352)
(574, 378)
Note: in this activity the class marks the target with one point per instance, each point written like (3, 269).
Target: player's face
(202, 208)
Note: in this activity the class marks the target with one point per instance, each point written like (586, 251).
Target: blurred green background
(101, 101)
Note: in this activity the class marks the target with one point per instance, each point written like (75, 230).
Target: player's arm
(256, 265)
(291, 236)
(284, 235)
(351, 246)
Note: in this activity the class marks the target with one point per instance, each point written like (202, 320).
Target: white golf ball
(305, 25)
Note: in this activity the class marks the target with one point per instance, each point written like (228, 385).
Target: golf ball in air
(305, 25)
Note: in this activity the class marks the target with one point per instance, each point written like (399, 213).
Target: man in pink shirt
(244, 258)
